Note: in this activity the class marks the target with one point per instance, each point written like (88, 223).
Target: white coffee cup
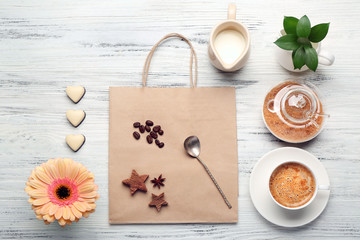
(229, 45)
(284, 57)
(317, 186)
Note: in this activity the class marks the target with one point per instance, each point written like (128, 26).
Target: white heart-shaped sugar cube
(75, 117)
(75, 142)
(75, 93)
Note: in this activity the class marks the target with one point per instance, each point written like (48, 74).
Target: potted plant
(299, 45)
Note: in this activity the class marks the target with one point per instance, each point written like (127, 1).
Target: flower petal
(49, 169)
(45, 167)
(37, 211)
(68, 166)
(76, 212)
(53, 170)
(59, 213)
(72, 216)
(37, 184)
(41, 201)
(85, 188)
(79, 206)
(86, 205)
(29, 190)
(80, 178)
(88, 200)
(40, 173)
(62, 222)
(86, 214)
(39, 194)
(48, 218)
(74, 171)
(45, 208)
(88, 194)
(66, 213)
(92, 205)
(53, 208)
(61, 168)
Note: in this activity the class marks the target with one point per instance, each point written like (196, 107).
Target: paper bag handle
(149, 56)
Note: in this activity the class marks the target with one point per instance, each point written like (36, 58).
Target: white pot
(284, 57)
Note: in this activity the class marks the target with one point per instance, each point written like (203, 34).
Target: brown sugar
(280, 125)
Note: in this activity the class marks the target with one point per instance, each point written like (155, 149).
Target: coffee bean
(136, 135)
(149, 123)
(161, 145)
(136, 124)
(161, 132)
(142, 129)
(147, 128)
(154, 135)
(149, 139)
(156, 128)
(157, 141)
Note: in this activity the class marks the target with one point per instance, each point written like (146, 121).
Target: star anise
(158, 181)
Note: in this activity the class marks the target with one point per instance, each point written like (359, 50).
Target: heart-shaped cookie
(75, 142)
(75, 117)
(75, 93)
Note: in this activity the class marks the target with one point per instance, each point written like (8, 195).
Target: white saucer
(261, 197)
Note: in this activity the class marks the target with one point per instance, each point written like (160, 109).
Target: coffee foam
(292, 185)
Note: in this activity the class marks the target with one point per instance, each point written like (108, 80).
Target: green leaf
(311, 58)
(288, 42)
(319, 32)
(303, 41)
(290, 24)
(299, 58)
(303, 28)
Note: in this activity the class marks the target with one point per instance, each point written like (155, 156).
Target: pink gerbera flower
(62, 189)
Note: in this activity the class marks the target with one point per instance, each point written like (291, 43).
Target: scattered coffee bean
(154, 135)
(154, 132)
(136, 135)
(142, 129)
(149, 139)
(156, 128)
(149, 123)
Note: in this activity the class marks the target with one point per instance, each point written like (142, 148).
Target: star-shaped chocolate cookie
(158, 201)
(136, 182)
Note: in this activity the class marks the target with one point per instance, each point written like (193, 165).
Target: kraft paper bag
(210, 114)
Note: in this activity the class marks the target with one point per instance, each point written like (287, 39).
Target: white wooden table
(48, 45)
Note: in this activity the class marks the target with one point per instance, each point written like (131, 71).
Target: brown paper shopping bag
(210, 114)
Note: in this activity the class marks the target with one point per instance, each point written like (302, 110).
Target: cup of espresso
(229, 45)
(293, 185)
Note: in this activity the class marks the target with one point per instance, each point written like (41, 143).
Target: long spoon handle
(215, 182)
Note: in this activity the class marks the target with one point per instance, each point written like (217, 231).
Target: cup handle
(232, 11)
(324, 187)
(326, 58)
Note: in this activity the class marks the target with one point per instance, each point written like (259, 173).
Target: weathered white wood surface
(47, 45)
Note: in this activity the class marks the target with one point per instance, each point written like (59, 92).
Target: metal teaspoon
(192, 147)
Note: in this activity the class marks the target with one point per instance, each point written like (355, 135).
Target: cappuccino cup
(293, 185)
